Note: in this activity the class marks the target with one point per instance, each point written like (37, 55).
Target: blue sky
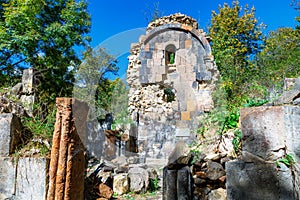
(118, 23)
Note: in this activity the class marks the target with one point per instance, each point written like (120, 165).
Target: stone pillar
(29, 83)
(67, 165)
(269, 133)
(177, 178)
(177, 183)
(169, 184)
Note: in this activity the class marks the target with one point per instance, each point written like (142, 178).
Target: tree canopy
(92, 84)
(236, 39)
(42, 34)
(280, 56)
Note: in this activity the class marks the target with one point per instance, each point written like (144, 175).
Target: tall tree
(92, 84)
(42, 34)
(236, 38)
(280, 56)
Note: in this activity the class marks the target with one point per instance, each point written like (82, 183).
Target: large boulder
(121, 184)
(214, 170)
(139, 179)
(250, 181)
(270, 131)
(218, 194)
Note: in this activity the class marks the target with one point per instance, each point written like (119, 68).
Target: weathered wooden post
(67, 165)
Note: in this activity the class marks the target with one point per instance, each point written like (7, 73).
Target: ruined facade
(171, 75)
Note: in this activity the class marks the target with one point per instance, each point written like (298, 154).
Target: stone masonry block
(158, 77)
(28, 80)
(149, 63)
(159, 46)
(191, 105)
(32, 178)
(267, 130)
(7, 177)
(185, 115)
(188, 44)
(10, 133)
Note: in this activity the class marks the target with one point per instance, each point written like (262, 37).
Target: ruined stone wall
(165, 96)
(20, 178)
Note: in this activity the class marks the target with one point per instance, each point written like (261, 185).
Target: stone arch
(194, 32)
(170, 53)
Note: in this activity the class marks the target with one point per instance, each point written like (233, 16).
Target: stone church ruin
(171, 75)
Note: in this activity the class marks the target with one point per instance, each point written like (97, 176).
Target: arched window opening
(170, 53)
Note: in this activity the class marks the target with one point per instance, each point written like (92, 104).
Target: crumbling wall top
(174, 19)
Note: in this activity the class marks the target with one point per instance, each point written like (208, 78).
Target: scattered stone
(199, 181)
(287, 97)
(226, 147)
(200, 174)
(105, 191)
(213, 157)
(133, 160)
(139, 179)
(222, 179)
(249, 157)
(218, 194)
(214, 170)
(296, 101)
(152, 173)
(121, 184)
(16, 90)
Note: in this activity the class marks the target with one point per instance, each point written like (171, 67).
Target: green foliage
(42, 34)
(38, 131)
(115, 195)
(195, 149)
(153, 184)
(236, 38)
(172, 58)
(129, 196)
(119, 100)
(169, 95)
(280, 56)
(232, 120)
(92, 85)
(288, 160)
(39, 126)
(237, 141)
(255, 102)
